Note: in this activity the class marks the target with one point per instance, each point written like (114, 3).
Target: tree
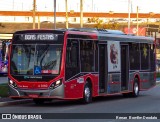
(110, 25)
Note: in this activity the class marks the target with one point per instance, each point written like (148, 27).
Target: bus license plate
(33, 95)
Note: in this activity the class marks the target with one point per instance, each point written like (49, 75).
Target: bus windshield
(35, 59)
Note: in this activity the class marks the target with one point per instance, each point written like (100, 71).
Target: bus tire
(38, 101)
(135, 92)
(87, 93)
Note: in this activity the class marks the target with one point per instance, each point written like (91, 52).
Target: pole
(92, 5)
(66, 4)
(137, 20)
(13, 10)
(34, 13)
(81, 13)
(54, 14)
(13, 5)
(39, 25)
(129, 15)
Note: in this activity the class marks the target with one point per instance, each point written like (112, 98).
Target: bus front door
(124, 67)
(102, 68)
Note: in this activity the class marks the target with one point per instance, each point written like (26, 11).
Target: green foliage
(99, 23)
(3, 90)
(110, 25)
(93, 20)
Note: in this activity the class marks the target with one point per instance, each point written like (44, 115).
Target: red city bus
(79, 64)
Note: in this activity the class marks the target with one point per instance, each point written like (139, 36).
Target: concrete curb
(14, 102)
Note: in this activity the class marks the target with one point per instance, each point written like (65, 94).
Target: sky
(145, 6)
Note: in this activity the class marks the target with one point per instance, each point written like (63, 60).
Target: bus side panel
(147, 80)
(114, 83)
(74, 88)
(131, 80)
(94, 80)
(95, 85)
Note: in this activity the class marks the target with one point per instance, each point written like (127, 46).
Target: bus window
(22, 59)
(152, 57)
(48, 58)
(87, 56)
(134, 56)
(144, 56)
(26, 58)
(72, 58)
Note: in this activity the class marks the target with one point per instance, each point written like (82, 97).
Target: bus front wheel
(87, 93)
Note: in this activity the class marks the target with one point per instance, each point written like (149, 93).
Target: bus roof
(102, 34)
(126, 38)
(116, 35)
(106, 31)
(60, 31)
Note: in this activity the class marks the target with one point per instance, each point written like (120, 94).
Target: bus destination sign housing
(39, 37)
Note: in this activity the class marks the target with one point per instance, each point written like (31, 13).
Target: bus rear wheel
(135, 92)
(87, 93)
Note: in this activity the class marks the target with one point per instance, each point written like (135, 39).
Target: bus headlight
(13, 84)
(10, 82)
(56, 84)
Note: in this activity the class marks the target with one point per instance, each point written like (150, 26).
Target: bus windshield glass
(35, 59)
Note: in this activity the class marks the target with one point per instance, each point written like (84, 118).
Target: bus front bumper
(37, 93)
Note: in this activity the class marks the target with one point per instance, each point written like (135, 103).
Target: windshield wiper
(50, 65)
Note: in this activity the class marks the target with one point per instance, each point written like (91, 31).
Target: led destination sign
(41, 36)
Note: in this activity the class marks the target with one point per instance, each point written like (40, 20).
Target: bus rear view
(35, 61)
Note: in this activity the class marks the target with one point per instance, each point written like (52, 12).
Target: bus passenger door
(102, 68)
(124, 67)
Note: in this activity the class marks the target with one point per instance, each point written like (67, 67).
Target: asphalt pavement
(4, 101)
(3, 79)
(9, 101)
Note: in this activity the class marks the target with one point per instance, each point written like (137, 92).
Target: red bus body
(103, 79)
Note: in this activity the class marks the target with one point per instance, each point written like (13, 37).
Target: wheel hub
(87, 93)
(136, 88)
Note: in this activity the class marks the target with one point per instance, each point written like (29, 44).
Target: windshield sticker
(145, 51)
(37, 70)
(19, 58)
(50, 71)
